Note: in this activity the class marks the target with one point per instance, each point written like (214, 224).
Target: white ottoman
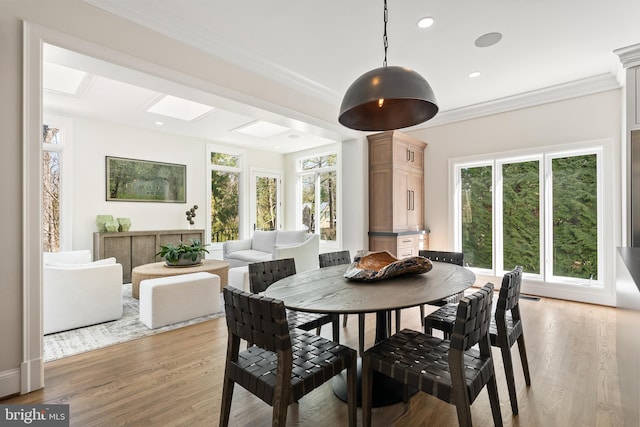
(239, 278)
(173, 299)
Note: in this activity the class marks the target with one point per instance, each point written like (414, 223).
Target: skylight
(59, 78)
(179, 108)
(261, 129)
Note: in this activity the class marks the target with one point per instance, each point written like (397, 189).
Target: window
(225, 196)
(540, 211)
(317, 198)
(57, 224)
(51, 185)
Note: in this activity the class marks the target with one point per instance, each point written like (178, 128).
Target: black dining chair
(284, 365)
(456, 258)
(504, 331)
(329, 259)
(450, 370)
(264, 274)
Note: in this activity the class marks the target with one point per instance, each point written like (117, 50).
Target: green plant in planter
(174, 253)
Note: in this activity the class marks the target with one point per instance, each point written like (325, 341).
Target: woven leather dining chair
(452, 370)
(264, 274)
(456, 258)
(284, 365)
(329, 259)
(504, 331)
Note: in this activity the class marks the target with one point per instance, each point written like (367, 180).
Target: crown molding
(574, 89)
(629, 55)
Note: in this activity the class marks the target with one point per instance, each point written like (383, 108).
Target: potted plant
(181, 255)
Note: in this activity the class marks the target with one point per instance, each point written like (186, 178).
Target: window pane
(476, 214)
(521, 216)
(50, 135)
(575, 217)
(51, 201)
(223, 159)
(309, 202)
(266, 203)
(318, 162)
(328, 206)
(224, 206)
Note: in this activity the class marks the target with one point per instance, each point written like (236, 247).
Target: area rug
(127, 328)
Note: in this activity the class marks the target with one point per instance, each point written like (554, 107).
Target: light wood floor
(175, 379)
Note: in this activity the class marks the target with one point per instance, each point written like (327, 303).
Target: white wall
(95, 139)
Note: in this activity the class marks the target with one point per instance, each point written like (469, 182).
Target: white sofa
(268, 245)
(77, 292)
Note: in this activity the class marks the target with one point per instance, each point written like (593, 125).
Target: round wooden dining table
(326, 290)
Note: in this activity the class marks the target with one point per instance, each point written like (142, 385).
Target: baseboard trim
(9, 382)
(32, 375)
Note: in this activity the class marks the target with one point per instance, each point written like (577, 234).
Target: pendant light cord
(384, 37)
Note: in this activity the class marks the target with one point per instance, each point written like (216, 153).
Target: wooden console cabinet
(396, 189)
(134, 248)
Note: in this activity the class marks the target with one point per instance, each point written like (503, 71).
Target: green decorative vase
(125, 224)
(112, 226)
(101, 220)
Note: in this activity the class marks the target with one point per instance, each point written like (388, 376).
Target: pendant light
(387, 98)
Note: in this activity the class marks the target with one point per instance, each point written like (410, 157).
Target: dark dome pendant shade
(387, 98)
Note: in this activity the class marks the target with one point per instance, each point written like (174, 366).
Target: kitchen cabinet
(396, 193)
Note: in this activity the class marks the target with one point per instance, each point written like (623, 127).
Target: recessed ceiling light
(178, 108)
(488, 39)
(294, 136)
(261, 129)
(425, 22)
(159, 123)
(474, 74)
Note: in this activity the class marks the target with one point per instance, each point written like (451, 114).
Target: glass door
(265, 199)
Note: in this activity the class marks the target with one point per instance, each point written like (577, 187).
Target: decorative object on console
(112, 225)
(191, 213)
(383, 265)
(130, 180)
(182, 255)
(124, 224)
(101, 221)
(387, 98)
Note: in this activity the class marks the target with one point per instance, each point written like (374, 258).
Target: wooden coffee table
(160, 269)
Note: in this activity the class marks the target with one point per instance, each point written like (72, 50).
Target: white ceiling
(321, 47)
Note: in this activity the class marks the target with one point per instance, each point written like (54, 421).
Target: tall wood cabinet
(396, 189)
(134, 248)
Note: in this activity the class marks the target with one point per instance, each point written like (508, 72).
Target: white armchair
(78, 292)
(268, 245)
(305, 254)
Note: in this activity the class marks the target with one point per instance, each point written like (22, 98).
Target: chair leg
(352, 391)
(227, 394)
(388, 331)
(422, 316)
(335, 327)
(523, 358)
(367, 390)
(344, 320)
(492, 389)
(360, 333)
(507, 361)
(398, 316)
(463, 408)
(318, 329)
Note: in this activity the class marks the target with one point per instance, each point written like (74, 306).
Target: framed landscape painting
(131, 180)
